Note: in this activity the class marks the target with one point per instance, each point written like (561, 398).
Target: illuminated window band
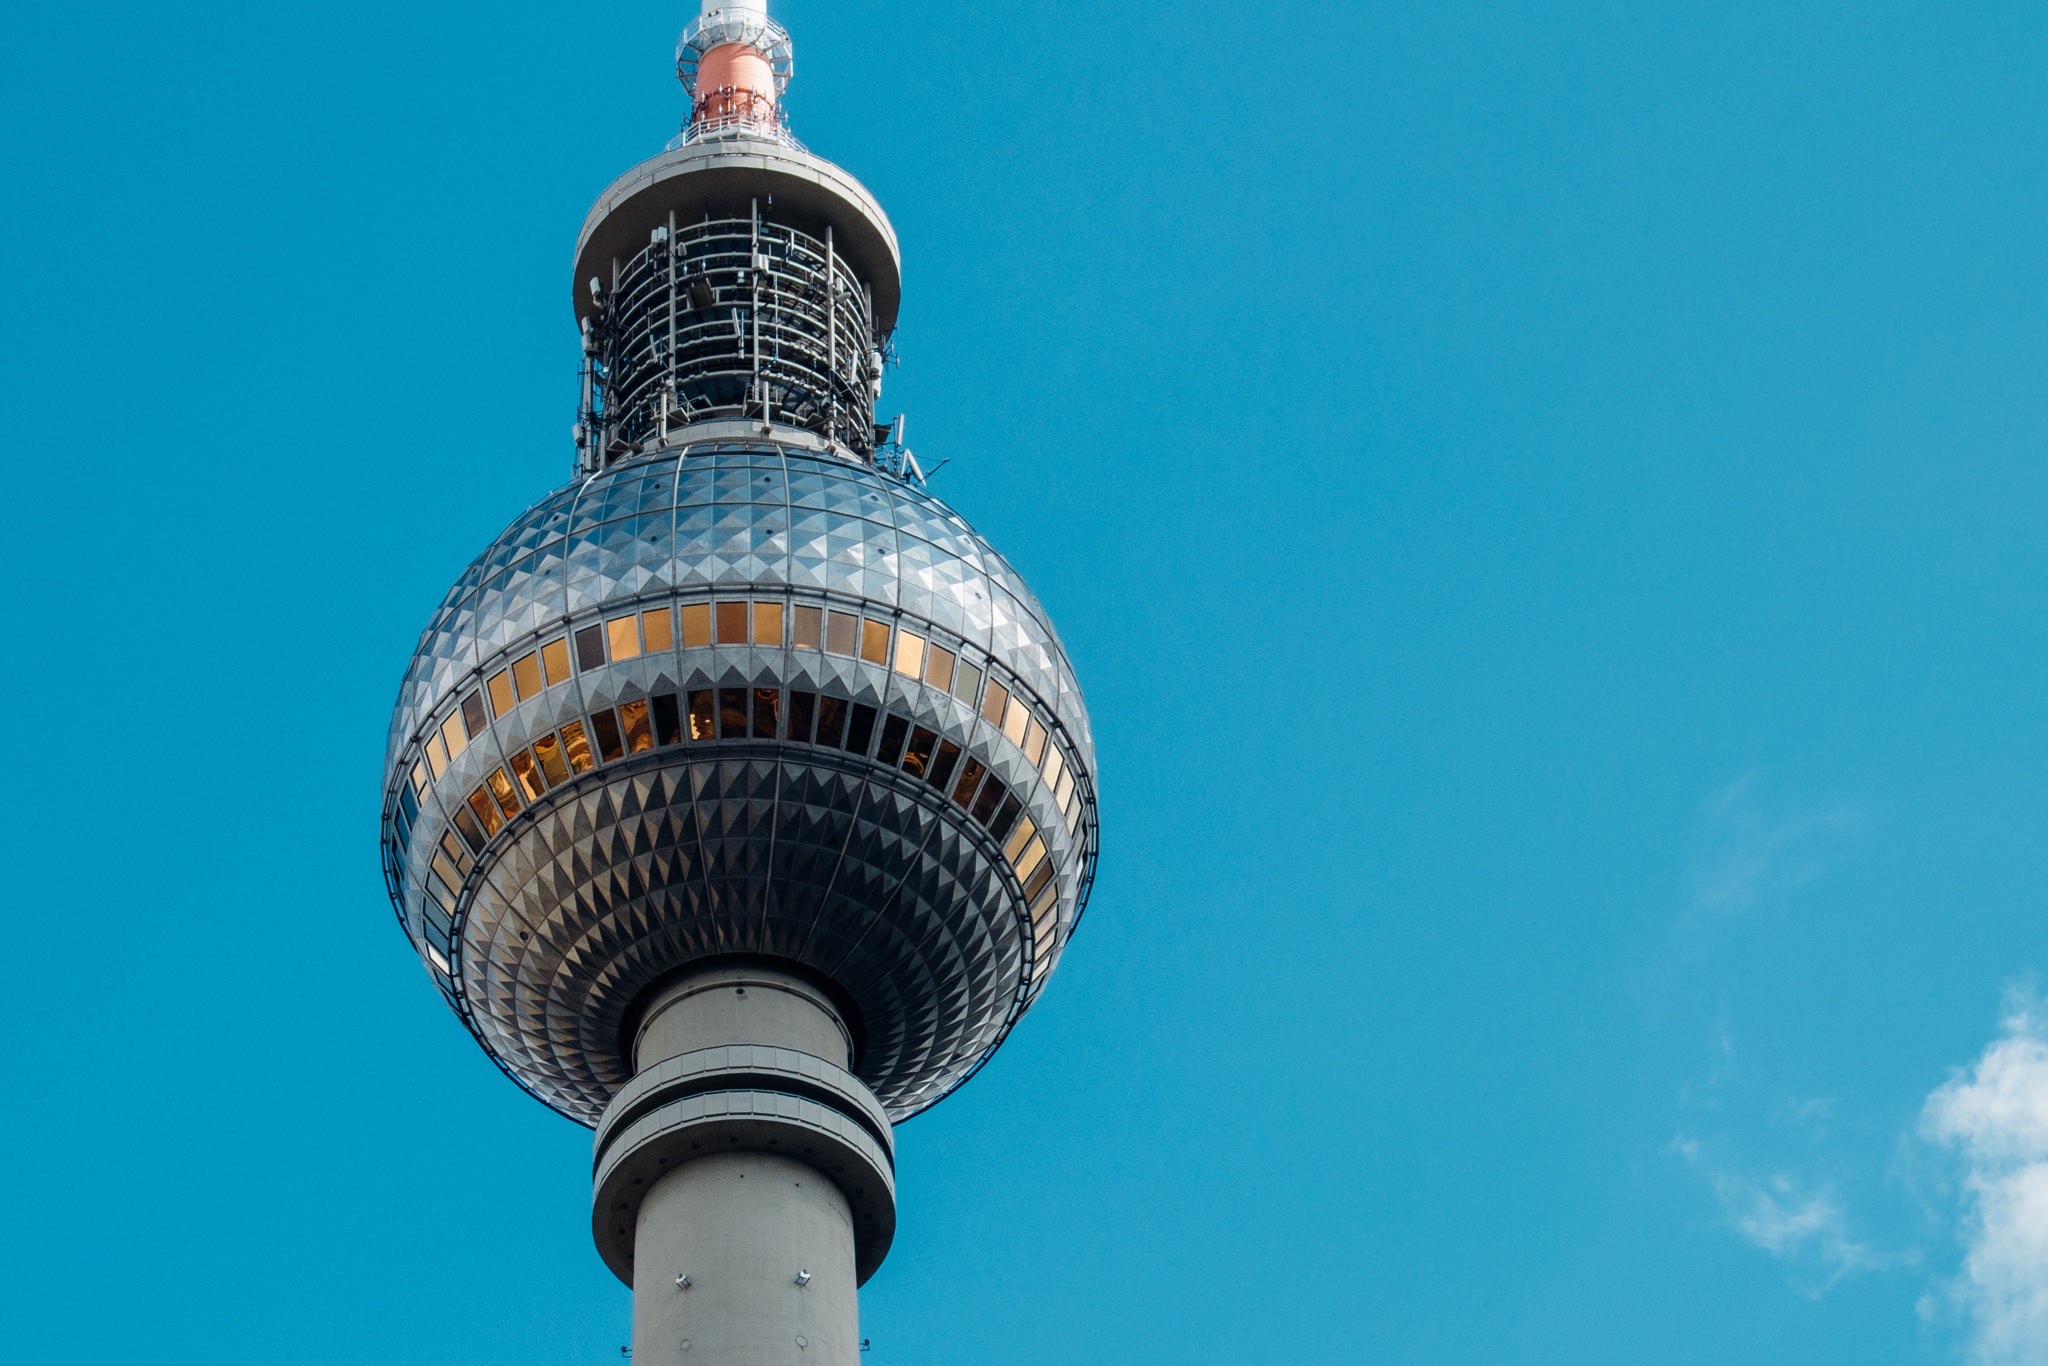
(703, 715)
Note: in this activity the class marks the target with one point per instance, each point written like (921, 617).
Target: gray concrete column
(743, 1257)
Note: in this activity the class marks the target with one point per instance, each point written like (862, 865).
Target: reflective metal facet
(654, 783)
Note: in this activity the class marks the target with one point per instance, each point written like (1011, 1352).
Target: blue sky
(1545, 501)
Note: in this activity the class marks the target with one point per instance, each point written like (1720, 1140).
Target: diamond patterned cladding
(865, 874)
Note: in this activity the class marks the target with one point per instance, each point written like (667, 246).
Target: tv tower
(739, 796)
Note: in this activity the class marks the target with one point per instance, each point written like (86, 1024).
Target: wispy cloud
(1801, 1223)
(1993, 1118)
(1758, 855)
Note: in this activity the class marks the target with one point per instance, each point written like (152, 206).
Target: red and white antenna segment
(735, 63)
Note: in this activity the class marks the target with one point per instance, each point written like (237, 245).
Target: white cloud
(1994, 1117)
(1800, 1223)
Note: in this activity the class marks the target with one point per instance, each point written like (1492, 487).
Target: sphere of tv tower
(744, 691)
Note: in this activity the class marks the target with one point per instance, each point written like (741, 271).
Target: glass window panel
(810, 628)
(440, 959)
(910, 654)
(472, 833)
(1032, 855)
(1036, 883)
(419, 777)
(548, 749)
(447, 905)
(966, 682)
(993, 705)
(803, 711)
(1034, 742)
(473, 716)
(841, 632)
(696, 624)
(1055, 767)
(554, 658)
(831, 721)
(576, 745)
(1042, 917)
(895, 731)
(991, 798)
(970, 778)
(1014, 722)
(1064, 788)
(999, 824)
(639, 727)
(444, 868)
(500, 688)
(943, 764)
(529, 775)
(732, 623)
(604, 728)
(408, 804)
(590, 648)
(1019, 837)
(860, 729)
(938, 670)
(501, 788)
(486, 811)
(874, 642)
(767, 709)
(732, 713)
(701, 714)
(456, 853)
(437, 753)
(768, 624)
(668, 720)
(624, 636)
(526, 675)
(658, 629)
(452, 736)
(917, 757)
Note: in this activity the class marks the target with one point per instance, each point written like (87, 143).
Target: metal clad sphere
(610, 758)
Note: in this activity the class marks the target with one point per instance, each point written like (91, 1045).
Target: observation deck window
(841, 632)
(658, 628)
(548, 749)
(970, 778)
(994, 703)
(590, 648)
(554, 657)
(701, 714)
(910, 654)
(500, 689)
(768, 623)
(860, 729)
(576, 744)
(526, 675)
(604, 728)
(732, 623)
(732, 713)
(473, 715)
(767, 705)
(938, 669)
(623, 634)
(874, 642)
(832, 722)
(639, 727)
(529, 775)
(917, 758)
(668, 720)
(696, 624)
(895, 730)
(810, 628)
(803, 710)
